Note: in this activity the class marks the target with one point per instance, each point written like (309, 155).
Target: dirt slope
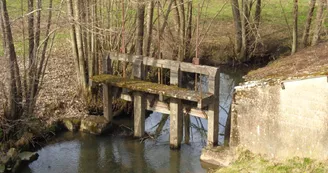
(312, 61)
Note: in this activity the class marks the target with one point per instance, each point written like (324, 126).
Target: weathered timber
(139, 102)
(179, 103)
(139, 114)
(176, 121)
(213, 109)
(152, 88)
(153, 104)
(186, 127)
(200, 69)
(107, 93)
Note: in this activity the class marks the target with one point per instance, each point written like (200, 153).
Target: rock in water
(72, 124)
(28, 156)
(94, 125)
(221, 156)
(2, 168)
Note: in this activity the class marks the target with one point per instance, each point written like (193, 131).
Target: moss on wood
(149, 87)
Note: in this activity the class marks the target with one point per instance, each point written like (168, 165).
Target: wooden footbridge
(167, 99)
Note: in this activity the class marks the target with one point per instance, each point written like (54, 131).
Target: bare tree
(318, 22)
(295, 27)
(305, 38)
(38, 54)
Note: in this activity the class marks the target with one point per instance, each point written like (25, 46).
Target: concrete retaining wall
(282, 123)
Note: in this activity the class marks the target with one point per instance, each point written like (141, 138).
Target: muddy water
(83, 153)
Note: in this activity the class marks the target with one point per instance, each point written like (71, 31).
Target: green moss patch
(149, 87)
(249, 162)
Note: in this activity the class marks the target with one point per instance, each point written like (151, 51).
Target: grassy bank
(248, 162)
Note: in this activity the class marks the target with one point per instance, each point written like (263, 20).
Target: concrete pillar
(213, 109)
(139, 105)
(176, 122)
(107, 90)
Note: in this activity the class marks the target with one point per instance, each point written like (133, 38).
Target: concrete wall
(282, 123)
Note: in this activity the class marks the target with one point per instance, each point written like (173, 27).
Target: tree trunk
(318, 23)
(305, 38)
(238, 28)
(15, 99)
(140, 27)
(295, 40)
(182, 46)
(188, 32)
(149, 29)
(257, 15)
(73, 37)
(244, 31)
(79, 41)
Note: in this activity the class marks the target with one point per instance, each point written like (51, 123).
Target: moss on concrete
(249, 162)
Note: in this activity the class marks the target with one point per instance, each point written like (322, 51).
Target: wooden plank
(152, 88)
(107, 90)
(161, 63)
(122, 57)
(205, 102)
(200, 69)
(107, 102)
(139, 107)
(213, 109)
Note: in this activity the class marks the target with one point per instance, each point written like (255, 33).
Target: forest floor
(311, 61)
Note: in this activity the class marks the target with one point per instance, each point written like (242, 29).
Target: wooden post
(139, 101)
(107, 90)
(213, 109)
(187, 128)
(176, 112)
(176, 121)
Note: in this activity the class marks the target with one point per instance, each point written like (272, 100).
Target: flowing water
(84, 153)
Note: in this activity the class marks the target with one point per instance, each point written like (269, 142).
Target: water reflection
(83, 153)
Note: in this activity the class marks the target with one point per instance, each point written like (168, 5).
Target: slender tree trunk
(177, 27)
(188, 32)
(244, 30)
(305, 38)
(295, 27)
(149, 29)
(140, 26)
(73, 38)
(15, 99)
(318, 23)
(257, 16)
(238, 27)
(182, 31)
(79, 41)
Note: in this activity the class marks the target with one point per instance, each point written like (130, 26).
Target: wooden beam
(151, 88)
(107, 90)
(213, 109)
(176, 122)
(200, 69)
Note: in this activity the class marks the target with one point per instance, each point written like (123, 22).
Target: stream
(84, 153)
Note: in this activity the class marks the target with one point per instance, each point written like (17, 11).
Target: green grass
(248, 162)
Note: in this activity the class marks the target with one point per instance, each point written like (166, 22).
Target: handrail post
(107, 90)
(213, 109)
(176, 110)
(139, 101)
